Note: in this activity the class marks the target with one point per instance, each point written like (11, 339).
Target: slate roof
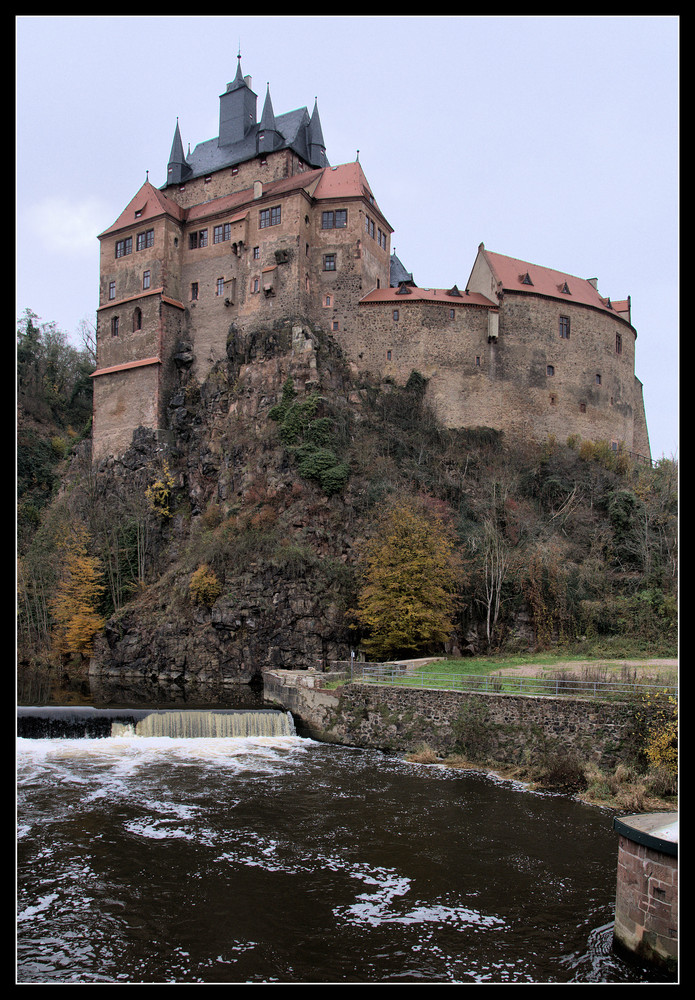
(398, 273)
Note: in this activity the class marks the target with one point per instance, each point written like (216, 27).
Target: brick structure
(255, 226)
(646, 908)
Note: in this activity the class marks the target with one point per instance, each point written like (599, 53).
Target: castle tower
(237, 109)
(268, 137)
(177, 170)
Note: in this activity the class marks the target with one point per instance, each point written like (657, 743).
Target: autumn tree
(408, 600)
(74, 606)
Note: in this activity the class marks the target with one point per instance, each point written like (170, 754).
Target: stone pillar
(646, 907)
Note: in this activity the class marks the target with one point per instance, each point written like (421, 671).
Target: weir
(58, 722)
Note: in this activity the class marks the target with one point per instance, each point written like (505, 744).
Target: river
(278, 859)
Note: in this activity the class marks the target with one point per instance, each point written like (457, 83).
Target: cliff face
(280, 549)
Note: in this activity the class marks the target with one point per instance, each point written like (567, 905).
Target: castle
(255, 225)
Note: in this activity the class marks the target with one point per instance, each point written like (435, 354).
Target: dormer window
(525, 279)
(564, 288)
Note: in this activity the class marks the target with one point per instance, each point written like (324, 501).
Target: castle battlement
(255, 225)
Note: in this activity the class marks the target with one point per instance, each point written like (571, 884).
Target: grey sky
(551, 139)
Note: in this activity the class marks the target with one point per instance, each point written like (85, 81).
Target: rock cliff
(279, 544)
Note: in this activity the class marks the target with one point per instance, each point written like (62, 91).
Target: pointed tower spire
(317, 147)
(268, 136)
(178, 169)
(237, 109)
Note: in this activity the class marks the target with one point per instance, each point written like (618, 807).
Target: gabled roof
(346, 181)
(148, 203)
(514, 275)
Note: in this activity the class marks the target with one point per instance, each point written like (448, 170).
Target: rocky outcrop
(280, 549)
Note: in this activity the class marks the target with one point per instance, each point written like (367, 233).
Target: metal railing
(577, 687)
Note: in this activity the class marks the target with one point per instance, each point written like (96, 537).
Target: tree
(74, 605)
(408, 599)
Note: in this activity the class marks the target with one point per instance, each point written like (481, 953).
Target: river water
(282, 860)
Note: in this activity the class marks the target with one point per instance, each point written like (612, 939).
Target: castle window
(477, 361)
(582, 407)
(329, 262)
(452, 314)
(270, 217)
(618, 343)
(396, 314)
(144, 240)
(114, 326)
(335, 325)
(220, 286)
(256, 253)
(145, 279)
(565, 328)
(124, 247)
(327, 301)
(112, 289)
(550, 370)
(369, 226)
(137, 320)
(388, 355)
(198, 239)
(552, 400)
(598, 379)
(222, 233)
(208, 179)
(334, 220)
(255, 285)
(235, 170)
(194, 291)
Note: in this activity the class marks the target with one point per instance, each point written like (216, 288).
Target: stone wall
(505, 726)
(646, 911)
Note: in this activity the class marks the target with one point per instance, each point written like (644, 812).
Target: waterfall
(209, 724)
(57, 722)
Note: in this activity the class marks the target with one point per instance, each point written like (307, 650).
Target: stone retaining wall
(500, 727)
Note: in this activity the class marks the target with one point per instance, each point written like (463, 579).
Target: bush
(204, 587)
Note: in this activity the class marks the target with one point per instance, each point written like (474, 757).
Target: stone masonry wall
(646, 909)
(403, 719)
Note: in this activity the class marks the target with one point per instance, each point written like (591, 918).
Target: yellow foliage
(76, 619)
(661, 747)
(204, 587)
(158, 493)
(408, 600)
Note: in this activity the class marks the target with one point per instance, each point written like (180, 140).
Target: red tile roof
(427, 295)
(150, 203)
(519, 276)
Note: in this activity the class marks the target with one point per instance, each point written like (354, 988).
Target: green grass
(483, 674)
(490, 664)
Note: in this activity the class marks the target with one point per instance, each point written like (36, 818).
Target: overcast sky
(551, 139)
